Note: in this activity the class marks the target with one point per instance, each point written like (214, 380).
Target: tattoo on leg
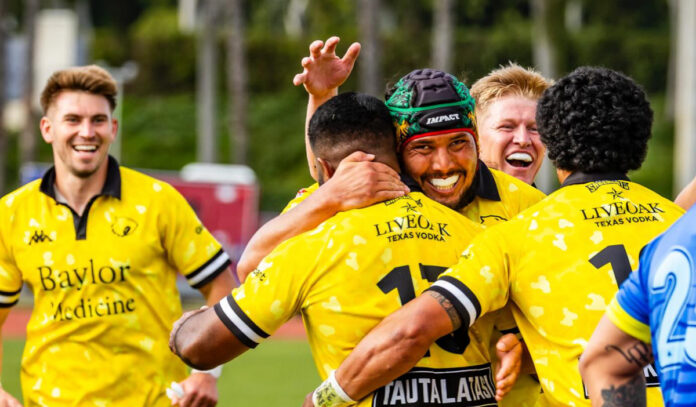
(638, 353)
(447, 305)
(628, 394)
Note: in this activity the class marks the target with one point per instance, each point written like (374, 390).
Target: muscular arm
(612, 367)
(394, 346)
(358, 182)
(687, 196)
(323, 72)
(202, 341)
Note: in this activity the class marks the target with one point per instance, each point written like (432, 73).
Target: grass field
(278, 373)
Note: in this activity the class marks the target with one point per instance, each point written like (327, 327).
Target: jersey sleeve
(302, 194)
(478, 283)
(271, 294)
(10, 274)
(189, 247)
(630, 308)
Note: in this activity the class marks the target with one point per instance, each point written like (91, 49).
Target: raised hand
(323, 71)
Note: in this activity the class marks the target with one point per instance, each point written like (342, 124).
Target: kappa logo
(123, 227)
(442, 118)
(39, 237)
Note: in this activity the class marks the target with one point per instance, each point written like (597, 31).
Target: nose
(521, 136)
(442, 161)
(86, 129)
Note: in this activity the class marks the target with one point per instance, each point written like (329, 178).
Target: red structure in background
(225, 197)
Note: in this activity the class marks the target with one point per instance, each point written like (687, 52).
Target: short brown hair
(508, 80)
(90, 79)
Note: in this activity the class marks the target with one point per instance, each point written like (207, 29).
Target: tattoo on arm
(451, 311)
(638, 353)
(628, 394)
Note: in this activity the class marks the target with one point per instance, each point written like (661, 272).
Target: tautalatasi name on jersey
(470, 386)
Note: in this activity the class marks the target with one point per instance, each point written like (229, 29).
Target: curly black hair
(595, 120)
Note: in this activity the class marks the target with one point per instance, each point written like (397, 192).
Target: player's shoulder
(15, 199)
(515, 195)
(140, 184)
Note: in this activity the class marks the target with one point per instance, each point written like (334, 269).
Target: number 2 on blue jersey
(673, 280)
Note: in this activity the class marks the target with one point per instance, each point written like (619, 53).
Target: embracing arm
(202, 341)
(357, 182)
(612, 366)
(394, 346)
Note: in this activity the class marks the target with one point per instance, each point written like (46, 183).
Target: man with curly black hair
(560, 261)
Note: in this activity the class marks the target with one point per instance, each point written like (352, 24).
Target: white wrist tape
(331, 394)
(215, 372)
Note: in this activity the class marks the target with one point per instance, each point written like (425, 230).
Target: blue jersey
(657, 304)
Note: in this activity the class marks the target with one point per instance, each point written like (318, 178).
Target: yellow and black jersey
(349, 273)
(560, 262)
(104, 287)
(301, 195)
(499, 197)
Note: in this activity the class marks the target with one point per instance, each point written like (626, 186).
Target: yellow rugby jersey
(104, 287)
(560, 262)
(349, 273)
(302, 194)
(499, 197)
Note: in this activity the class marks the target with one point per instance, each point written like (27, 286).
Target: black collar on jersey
(484, 183)
(579, 177)
(112, 185)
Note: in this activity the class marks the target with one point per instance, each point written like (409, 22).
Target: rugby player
(560, 262)
(354, 269)
(429, 156)
(655, 305)
(506, 102)
(100, 247)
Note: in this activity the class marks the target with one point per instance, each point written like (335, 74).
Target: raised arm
(358, 182)
(323, 72)
(687, 196)
(612, 366)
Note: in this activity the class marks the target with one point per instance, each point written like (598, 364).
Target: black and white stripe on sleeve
(209, 270)
(461, 297)
(239, 323)
(9, 298)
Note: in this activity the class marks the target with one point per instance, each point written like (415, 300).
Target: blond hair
(508, 80)
(90, 79)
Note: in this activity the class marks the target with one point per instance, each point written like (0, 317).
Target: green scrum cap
(428, 102)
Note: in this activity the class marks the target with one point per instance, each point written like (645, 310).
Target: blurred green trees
(159, 105)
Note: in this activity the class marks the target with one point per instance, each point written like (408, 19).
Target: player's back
(663, 293)
(377, 259)
(578, 246)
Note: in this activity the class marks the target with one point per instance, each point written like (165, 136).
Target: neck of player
(76, 190)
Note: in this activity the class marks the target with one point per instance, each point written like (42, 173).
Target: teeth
(85, 148)
(444, 183)
(520, 157)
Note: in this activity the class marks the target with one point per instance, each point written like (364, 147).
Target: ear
(326, 168)
(114, 127)
(45, 125)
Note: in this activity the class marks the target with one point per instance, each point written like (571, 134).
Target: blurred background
(210, 81)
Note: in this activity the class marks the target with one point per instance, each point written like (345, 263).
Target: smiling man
(506, 101)
(100, 247)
